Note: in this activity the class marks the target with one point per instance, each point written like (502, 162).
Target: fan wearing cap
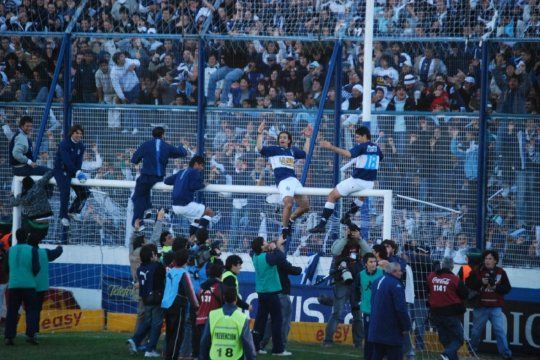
(355, 101)
(315, 71)
(461, 93)
(282, 157)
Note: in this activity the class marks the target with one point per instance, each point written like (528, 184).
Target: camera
(492, 278)
(346, 275)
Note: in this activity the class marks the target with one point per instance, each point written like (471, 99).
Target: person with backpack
(210, 298)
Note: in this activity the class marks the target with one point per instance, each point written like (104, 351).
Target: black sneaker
(8, 342)
(346, 219)
(319, 229)
(32, 340)
(286, 232)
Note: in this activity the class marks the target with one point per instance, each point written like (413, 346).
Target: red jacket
(446, 293)
(210, 298)
(490, 296)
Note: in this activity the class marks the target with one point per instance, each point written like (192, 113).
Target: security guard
(226, 334)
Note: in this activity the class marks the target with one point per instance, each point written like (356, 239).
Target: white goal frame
(267, 190)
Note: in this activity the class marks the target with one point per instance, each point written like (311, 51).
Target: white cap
(409, 79)
(358, 87)
(470, 79)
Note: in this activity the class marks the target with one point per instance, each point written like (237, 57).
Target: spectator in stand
(492, 284)
(459, 254)
(21, 151)
(104, 88)
(427, 66)
(233, 61)
(84, 89)
(125, 83)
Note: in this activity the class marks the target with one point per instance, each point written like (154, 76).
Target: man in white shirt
(126, 85)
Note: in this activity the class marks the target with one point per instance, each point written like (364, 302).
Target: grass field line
(295, 349)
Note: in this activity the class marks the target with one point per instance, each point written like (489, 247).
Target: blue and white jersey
(282, 160)
(368, 155)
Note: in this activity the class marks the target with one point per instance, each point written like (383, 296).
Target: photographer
(346, 266)
(492, 284)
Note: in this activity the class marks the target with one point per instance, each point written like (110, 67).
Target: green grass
(109, 345)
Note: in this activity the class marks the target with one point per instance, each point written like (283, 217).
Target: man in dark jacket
(67, 165)
(185, 183)
(492, 284)
(155, 155)
(446, 295)
(389, 315)
(151, 278)
(36, 207)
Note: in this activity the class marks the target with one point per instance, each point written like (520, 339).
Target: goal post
(266, 190)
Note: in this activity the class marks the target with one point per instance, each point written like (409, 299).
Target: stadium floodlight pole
(266, 190)
(368, 61)
(320, 112)
(482, 149)
(50, 97)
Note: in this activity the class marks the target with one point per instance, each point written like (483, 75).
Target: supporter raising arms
(282, 158)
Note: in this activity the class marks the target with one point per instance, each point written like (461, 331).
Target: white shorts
(351, 185)
(191, 211)
(289, 187)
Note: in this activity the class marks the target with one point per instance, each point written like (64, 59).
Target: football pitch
(111, 345)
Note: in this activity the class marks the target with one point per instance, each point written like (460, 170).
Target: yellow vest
(226, 333)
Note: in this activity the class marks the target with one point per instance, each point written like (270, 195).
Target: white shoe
(262, 352)
(75, 216)
(65, 222)
(152, 354)
(132, 347)
(284, 353)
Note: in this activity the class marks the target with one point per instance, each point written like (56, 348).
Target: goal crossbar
(267, 190)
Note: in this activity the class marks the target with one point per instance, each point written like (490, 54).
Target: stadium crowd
(436, 154)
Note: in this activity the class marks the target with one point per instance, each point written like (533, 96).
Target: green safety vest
(365, 284)
(42, 278)
(228, 273)
(266, 276)
(20, 267)
(226, 334)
